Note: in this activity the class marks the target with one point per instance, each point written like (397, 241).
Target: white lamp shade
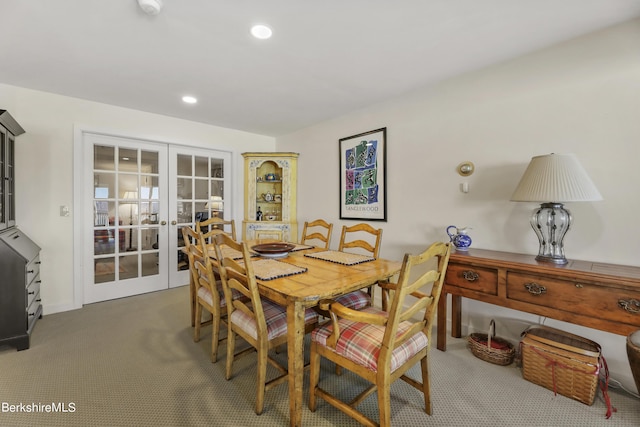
(555, 178)
(215, 203)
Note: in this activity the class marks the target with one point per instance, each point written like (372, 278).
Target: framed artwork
(363, 168)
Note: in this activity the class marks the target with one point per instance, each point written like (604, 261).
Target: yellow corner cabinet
(270, 183)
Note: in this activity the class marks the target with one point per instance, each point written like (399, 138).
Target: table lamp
(215, 204)
(552, 180)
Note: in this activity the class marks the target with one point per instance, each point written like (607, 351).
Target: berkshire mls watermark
(53, 407)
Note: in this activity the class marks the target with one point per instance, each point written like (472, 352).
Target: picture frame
(363, 176)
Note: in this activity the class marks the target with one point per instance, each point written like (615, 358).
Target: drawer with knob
(32, 269)
(598, 300)
(33, 290)
(474, 278)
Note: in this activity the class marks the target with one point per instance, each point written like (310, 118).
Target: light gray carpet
(133, 362)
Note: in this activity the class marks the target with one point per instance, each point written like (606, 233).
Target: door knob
(163, 222)
(174, 222)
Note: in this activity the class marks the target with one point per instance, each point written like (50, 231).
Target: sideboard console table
(596, 295)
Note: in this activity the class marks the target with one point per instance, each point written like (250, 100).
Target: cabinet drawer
(479, 279)
(32, 311)
(33, 290)
(33, 269)
(586, 299)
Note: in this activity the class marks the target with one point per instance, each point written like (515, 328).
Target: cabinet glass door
(7, 176)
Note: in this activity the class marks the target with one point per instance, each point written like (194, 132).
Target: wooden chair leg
(384, 404)
(215, 335)
(314, 376)
(231, 348)
(198, 322)
(192, 300)
(262, 379)
(426, 387)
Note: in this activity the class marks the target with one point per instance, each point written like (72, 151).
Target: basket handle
(492, 333)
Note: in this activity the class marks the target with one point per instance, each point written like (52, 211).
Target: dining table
(312, 274)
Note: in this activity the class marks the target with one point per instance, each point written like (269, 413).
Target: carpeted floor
(133, 362)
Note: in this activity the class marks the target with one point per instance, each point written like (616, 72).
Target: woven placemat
(300, 247)
(269, 269)
(227, 252)
(340, 257)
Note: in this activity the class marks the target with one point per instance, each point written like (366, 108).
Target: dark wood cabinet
(20, 302)
(596, 295)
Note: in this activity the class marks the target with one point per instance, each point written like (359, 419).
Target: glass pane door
(128, 236)
(201, 189)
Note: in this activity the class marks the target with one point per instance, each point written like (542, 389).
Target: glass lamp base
(551, 221)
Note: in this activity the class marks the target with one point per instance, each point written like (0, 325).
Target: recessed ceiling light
(189, 99)
(261, 32)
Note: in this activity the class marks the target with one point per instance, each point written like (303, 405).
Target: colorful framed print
(363, 194)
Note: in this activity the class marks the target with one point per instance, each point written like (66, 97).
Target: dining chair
(364, 239)
(317, 230)
(215, 225)
(209, 296)
(191, 237)
(260, 322)
(382, 346)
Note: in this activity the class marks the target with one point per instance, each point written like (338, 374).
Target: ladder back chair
(364, 239)
(317, 230)
(191, 237)
(260, 322)
(215, 225)
(382, 346)
(209, 296)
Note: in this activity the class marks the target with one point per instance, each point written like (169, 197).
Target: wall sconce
(466, 168)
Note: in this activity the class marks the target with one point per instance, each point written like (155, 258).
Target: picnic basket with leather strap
(565, 363)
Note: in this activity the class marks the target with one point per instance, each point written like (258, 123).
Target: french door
(139, 195)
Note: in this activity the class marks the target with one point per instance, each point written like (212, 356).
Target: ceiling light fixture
(150, 7)
(189, 99)
(261, 32)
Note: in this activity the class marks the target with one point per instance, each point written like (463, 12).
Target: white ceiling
(326, 57)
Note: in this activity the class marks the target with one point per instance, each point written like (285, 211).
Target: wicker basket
(490, 348)
(565, 363)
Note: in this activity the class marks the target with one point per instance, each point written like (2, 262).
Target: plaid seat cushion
(360, 342)
(355, 300)
(275, 316)
(205, 294)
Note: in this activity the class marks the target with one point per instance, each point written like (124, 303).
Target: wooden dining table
(321, 280)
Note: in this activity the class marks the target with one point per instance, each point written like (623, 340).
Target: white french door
(138, 196)
(200, 187)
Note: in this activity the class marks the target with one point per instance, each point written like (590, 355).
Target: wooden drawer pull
(470, 276)
(632, 305)
(535, 289)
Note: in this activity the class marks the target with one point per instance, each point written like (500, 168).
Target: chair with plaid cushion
(364, 239)
(259, 322)
(382, 346)
(317, 230)
(209, 295)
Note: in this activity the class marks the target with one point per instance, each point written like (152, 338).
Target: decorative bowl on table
(273, 250)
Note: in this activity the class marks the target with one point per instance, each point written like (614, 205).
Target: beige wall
(44, 169)
(582, 96)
